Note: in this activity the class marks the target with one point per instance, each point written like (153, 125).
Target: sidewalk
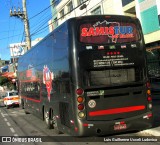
(153, 131)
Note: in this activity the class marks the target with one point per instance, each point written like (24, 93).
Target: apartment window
(55, 2)
(61, 14)
(96, 11)
(126, 2)
(81, 1)
(56, 21)
(70, 6)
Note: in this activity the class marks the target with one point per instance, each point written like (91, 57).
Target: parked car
(11, 99)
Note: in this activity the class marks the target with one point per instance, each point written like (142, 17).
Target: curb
(153, 132)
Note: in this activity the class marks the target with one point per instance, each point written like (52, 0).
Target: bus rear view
(109, 69)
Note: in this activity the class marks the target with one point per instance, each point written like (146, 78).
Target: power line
(39, 23)
(36, 16)
(22, 36)
(60, 17)
(40, 26)
(67, 14)
(14, 24)
(14, 29)
(10, 36)
(40, 12)
(37, 31)
(8, 31)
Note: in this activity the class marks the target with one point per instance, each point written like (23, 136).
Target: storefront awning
(10, 75)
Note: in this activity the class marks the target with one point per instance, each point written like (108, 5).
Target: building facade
(148, 12)
(65, 9)
(53, 22)
(4, 65)
(16, 50)
(149, 15)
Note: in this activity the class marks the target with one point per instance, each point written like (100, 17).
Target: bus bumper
(100, 128)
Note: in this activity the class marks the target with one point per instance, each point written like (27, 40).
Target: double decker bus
(88, 77)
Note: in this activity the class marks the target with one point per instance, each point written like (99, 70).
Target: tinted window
(108, 77)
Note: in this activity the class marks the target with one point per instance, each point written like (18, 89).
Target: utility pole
(23, 15)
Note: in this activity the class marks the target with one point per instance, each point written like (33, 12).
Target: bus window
(109, 77)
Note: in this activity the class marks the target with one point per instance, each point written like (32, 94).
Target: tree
(6, 82)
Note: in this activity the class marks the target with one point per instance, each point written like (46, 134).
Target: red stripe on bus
(116, 110)
(34, 100)
(34, 80)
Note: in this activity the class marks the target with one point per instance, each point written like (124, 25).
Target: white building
(18, 49)
(148, 12)
(66, 9)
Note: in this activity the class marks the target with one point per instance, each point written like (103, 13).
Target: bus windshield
(104, 32)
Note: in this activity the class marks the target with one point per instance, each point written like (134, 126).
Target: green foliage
(5, 82)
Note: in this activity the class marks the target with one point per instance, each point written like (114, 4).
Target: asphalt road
(14, 122)
(156, 113)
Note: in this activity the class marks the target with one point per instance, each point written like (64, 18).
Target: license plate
(120, 126)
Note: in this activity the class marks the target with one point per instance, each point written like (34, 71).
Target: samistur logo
(111, 29)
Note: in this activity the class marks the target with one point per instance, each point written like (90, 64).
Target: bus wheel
(55, 125)
(26, 112)
(22, 104)
(47, 119)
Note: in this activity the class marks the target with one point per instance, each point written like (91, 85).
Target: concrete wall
(148, 11)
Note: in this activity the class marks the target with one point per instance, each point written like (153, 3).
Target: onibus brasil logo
(111, 29)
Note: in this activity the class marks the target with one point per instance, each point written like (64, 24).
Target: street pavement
(155, 130)
(29, 125)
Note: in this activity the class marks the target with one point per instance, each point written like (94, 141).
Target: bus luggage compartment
(115, 102)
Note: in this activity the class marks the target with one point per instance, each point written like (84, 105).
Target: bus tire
(55, 125)
(26, 112)
(47, 119)
(22, 104)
